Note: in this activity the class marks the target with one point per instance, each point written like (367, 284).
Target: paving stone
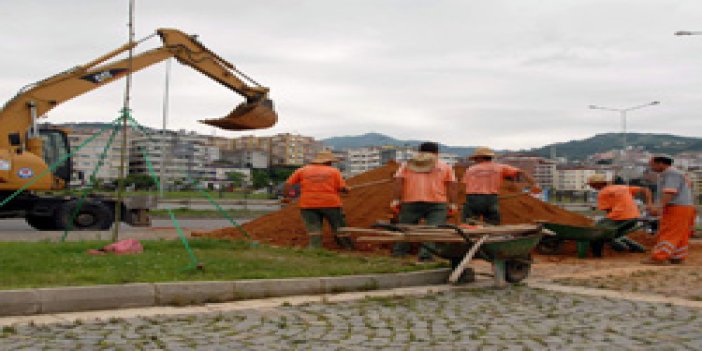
(510, 319)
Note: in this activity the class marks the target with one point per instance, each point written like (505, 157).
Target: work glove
(535, 189)
(452, 210)
(395, 206)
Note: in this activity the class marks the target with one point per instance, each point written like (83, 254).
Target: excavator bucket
(246, 116)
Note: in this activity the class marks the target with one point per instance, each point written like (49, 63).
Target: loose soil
(624, 272)
(368, 204)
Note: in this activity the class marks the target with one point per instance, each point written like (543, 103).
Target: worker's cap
(422, 162)
(482, 152)
(324, 157)
(597, 178)
(429, 146)
(665, 158)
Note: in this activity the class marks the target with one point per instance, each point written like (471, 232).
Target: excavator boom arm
(20, 113)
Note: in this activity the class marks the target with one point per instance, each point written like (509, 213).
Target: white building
(220, 177)
(86, 159)
(360, 160)
(575, 178)
(185, 155)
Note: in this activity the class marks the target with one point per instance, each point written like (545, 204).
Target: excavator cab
(54, 147)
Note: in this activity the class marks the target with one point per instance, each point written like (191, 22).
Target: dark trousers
(314, 219)
(485, 207)
(433, 213)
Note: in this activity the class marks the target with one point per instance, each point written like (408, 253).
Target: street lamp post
(622, 113)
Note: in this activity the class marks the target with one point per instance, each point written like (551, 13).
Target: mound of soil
(368, 204)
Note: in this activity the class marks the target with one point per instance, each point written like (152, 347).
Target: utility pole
(166, 97)
(125, 117)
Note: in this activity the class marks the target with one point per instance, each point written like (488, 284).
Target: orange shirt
(319, 186)
(426, 187)
(618, 200)
(486, 177)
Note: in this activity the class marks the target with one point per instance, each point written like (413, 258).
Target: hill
(377, 139)
(656, 143)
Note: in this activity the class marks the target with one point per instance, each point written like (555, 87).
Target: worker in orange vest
(677, 212)
(425, 188)
(622, 212)
(482, 183)
(320, 186)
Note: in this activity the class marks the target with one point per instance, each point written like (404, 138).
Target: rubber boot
(315, 242)
(620, 245)
(344, 242)
(633, 245)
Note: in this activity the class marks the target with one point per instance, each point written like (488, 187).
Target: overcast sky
(507, 74)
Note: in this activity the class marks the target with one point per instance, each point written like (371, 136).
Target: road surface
(19, 230)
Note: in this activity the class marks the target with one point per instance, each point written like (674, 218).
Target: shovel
(258, 114)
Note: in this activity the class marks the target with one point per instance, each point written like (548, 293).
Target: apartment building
(86, 159)
(257, 159)
(542, 170)
(574, 178)
(284, 149)
(359, 160)
(695, 175)
(184, 155)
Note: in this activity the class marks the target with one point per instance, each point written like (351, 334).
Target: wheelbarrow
(585, 236)
(508, 247)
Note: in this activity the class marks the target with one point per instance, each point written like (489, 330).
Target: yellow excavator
(26, 150)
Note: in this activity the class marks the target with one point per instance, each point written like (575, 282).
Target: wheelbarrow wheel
(517, 270)
(549, 246)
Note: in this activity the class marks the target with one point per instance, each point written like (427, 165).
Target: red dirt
(366, 205)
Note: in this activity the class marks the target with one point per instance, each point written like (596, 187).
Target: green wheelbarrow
(592, 236)
(508, 247)
(510, 256)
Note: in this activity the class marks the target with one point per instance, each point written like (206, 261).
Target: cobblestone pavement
(518, 318)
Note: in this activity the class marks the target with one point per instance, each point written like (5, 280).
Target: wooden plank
(368, 231)
(423, 239)
(406, 239)
(453, 278)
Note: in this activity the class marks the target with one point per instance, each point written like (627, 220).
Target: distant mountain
(377, 139)
(655, 143)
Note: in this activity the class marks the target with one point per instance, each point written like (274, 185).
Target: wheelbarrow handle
(458, 230)
(387, 226)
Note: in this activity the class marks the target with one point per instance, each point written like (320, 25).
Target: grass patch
(188, 213)
(45, 264)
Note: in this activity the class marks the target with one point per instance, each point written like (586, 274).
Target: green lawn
(188, 213)
(46, 264)
(197, 194)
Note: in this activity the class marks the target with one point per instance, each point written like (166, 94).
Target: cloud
(500, 73)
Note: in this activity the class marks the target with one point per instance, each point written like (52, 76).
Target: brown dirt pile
(366, 205)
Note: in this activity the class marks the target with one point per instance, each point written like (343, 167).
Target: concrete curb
(103, 297)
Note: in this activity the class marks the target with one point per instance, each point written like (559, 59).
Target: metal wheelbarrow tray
(507, 247)
(583, 236)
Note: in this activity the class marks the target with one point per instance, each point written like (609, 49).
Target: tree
(236, 178)
(140, 181)
(260, 178)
